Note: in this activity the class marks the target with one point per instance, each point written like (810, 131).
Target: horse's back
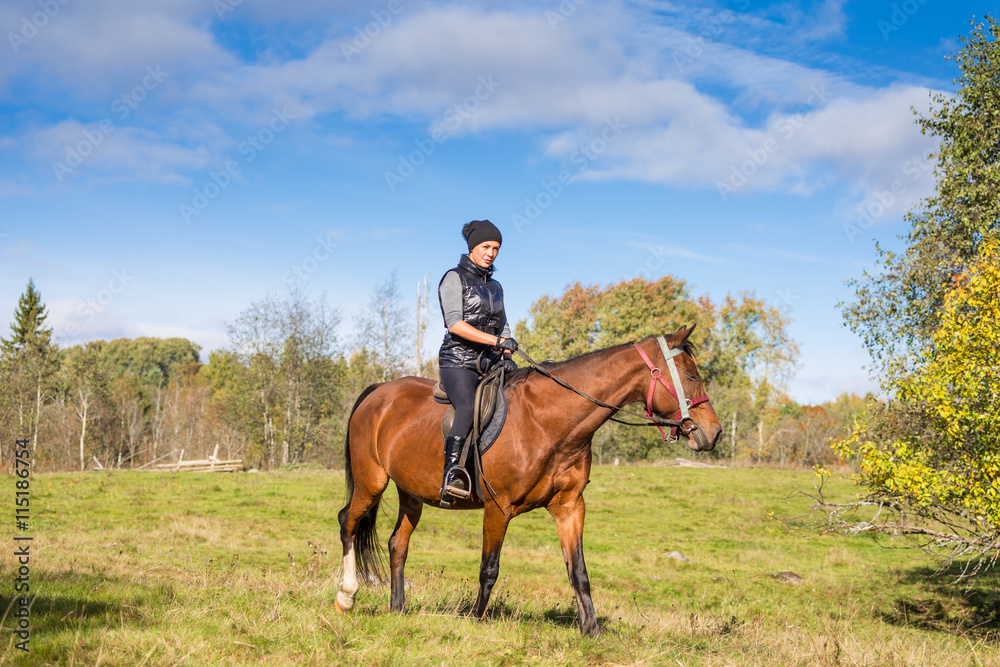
(399, 426)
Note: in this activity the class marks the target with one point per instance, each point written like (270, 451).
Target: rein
(655, 375)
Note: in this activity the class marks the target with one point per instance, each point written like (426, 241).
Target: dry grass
(165, 569)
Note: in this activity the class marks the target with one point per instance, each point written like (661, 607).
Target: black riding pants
(460, 385)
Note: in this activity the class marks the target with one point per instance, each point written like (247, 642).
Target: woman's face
(484, 254)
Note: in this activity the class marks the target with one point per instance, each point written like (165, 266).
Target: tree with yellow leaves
(930, 317)
(942, 458)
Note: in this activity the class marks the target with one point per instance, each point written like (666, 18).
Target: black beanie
(481, 231)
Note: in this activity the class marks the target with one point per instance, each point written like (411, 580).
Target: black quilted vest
(482, 307)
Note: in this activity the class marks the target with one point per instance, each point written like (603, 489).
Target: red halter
(683, 403)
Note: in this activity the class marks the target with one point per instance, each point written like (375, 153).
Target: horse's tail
(368, 553)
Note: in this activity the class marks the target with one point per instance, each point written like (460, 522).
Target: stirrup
(448, 498)
(455, 474)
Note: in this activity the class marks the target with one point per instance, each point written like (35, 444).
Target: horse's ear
(684, 332)
(679, 337)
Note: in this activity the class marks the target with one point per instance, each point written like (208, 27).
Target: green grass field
(168, 568)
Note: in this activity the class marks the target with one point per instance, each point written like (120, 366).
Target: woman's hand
(506, 344)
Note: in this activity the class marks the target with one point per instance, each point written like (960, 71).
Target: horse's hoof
(336, 605)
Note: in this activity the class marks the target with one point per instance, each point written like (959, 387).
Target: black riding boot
(452, 452)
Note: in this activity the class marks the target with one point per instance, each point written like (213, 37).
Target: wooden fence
(211, 464)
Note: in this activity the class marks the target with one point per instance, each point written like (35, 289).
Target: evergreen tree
(28, 362)
(28, 332)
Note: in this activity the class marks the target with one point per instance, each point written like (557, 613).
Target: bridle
(684, 404)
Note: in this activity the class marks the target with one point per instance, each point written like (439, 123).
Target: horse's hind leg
(569, 521)
(357, 528)
(409, 514)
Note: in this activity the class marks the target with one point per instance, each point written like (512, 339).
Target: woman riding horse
(477, 332)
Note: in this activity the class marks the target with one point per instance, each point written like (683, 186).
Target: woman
(477, 334)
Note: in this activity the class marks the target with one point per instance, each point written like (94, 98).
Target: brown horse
(541, 458)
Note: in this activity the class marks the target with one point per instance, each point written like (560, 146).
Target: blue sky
(166, 164)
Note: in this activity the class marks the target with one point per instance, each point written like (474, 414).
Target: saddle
(489, 414)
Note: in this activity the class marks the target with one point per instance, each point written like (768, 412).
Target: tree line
(277, 394)
(280, 392)
(744, 353)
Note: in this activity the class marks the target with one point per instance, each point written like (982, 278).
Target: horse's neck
(611, 376)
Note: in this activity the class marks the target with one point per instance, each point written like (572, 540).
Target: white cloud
(13, 189)
(420, 65)
(268, 11)
(19, 249)
(208, 339)
(76, 150)
(829, 20)
(75, 321)
(94, 47)
(657, 251)
(860, 135)
(748, 251)
(572, 80)
(518, 74)
(863, 142)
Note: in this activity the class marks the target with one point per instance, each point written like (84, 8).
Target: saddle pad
(493, 406)
(495, 425)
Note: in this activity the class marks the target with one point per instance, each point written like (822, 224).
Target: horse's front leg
(569, 514)
(494, 529)
(409, 514)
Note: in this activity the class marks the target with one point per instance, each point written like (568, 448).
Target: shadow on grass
(969, 607)
(499, 610)
(75, 600)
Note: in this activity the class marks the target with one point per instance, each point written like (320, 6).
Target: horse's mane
(690, 348)
(521, 373)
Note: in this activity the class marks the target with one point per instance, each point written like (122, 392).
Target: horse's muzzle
(699, 441)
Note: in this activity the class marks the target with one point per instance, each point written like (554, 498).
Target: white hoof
(343, 602)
